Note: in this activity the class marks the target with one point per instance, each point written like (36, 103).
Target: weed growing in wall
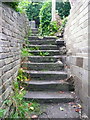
(19, 107)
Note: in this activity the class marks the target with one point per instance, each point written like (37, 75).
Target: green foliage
(46, 26)
(2, 112)
(21, 108)
(21, 76)
(61, 29)
(53, 28)
(22, 6)
(24, 52)
(63, 9)
(13, 5)
(19, 6)
(45, 18)
(43, 53)
(40, 52)
(33, 10)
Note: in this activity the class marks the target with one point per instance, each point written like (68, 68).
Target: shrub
(63, 9)
(53, 28)
(46, 26)
(33, 10)
(12, 5)
(45, 18)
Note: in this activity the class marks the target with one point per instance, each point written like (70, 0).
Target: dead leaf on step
(31, 108)
(34, 116)
(62, 109)
(74, 106)
(79, 106)
(61, 92)
(25, 68)
(27, 80)
(73, 93)
(77, 110)
(29, 104)
(71, 103)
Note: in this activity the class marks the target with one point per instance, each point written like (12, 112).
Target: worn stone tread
(52, 112)
(55, 56)
(43, 50)
(47, 72)
(54, 85)
(43, 47)
(43, 66)
(43, 38)
(48, 96)
(46, 59)
(47, 75)
(31, 45)
(35, 82)
(43, 63)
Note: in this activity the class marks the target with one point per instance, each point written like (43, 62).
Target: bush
(53, 28)
(19, 6)
(63, 9)
(45, 18)
(12, 5)
(32, 12)
(46, 26)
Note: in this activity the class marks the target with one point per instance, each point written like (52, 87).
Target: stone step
(34, 32)
(47, 75)
(52, 111)
(42, 66)
(44, 52)
(42, 42)
(60, 43)
(50, 37)
(49, 97)
(45, 59)
(58, 85)
(43, 47)
(42, 38)
(34, 38)
(34, 29)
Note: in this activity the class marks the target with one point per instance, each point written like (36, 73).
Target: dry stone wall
(77, 41)
(13, 29)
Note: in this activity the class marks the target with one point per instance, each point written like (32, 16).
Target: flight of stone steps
(46, 67)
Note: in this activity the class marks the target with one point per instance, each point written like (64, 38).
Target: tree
(33, 10)
(46, 26)
(63, 9)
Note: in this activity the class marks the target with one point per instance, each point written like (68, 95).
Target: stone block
(79, 62)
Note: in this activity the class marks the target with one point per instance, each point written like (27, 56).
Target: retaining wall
(77, 41)
(13, 29)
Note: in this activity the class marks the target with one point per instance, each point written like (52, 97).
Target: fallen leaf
(72, 92)
(25, 68)
(31, 108)
(61, 92)
(77, 110)
(34, 116)
(62, 109)
(29, 104)
(74, 106)
(79, 106)
(27, 80)
(71, 103)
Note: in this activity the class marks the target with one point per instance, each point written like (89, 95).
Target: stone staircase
(48, 84)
